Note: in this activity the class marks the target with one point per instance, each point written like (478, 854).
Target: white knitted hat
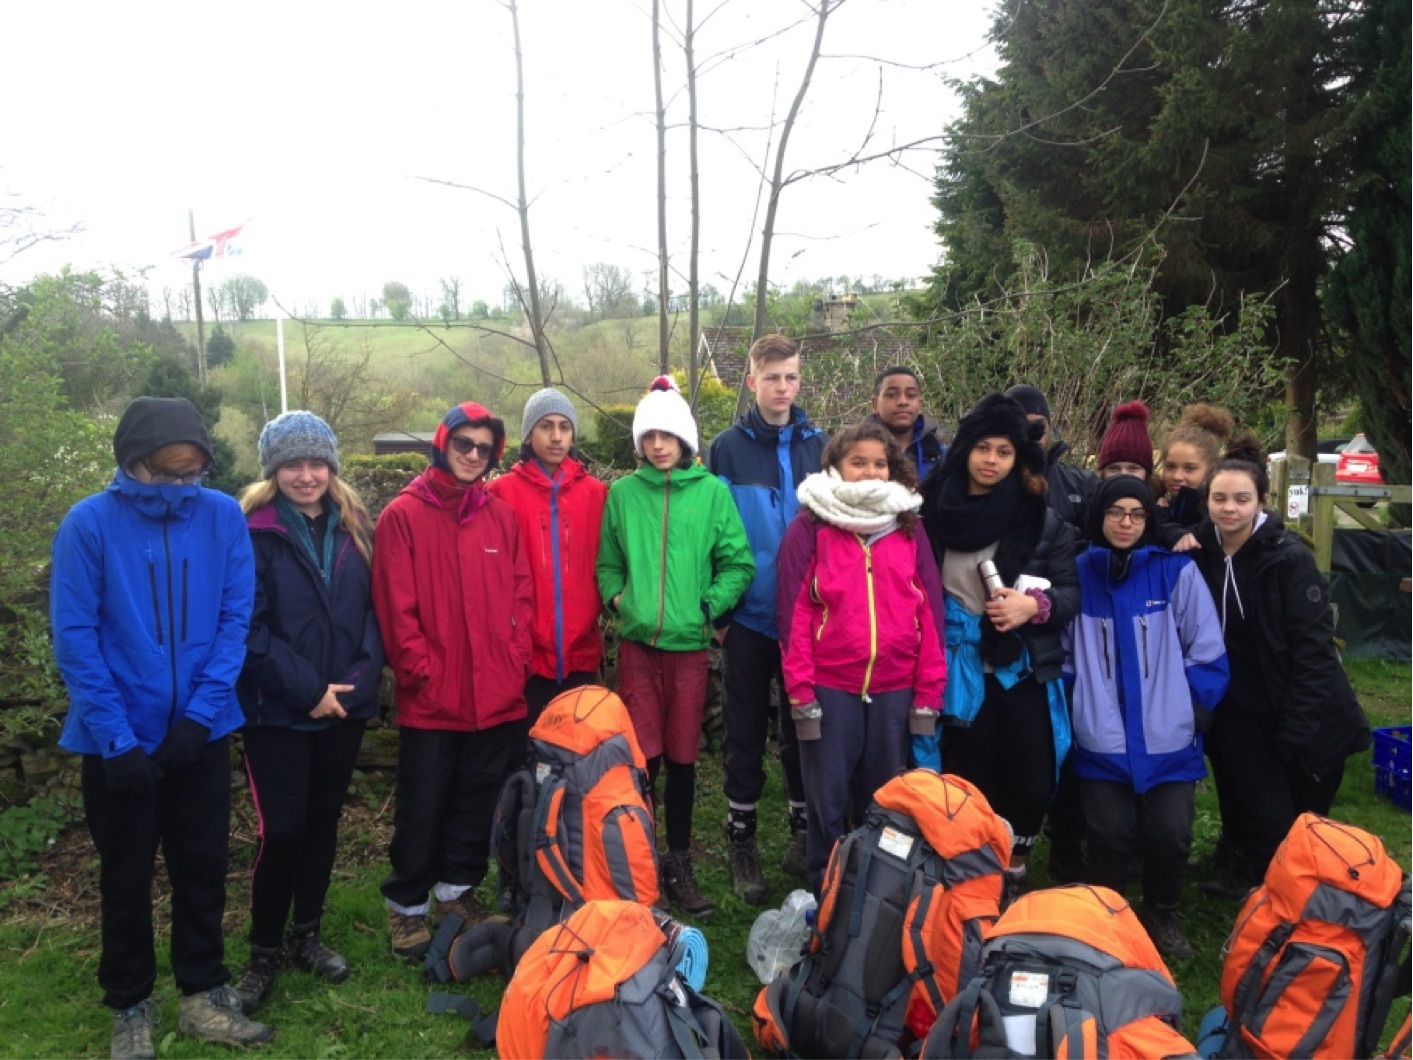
(663, 409)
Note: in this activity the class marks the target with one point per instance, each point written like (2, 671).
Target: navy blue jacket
(304, 635)
(763, 465)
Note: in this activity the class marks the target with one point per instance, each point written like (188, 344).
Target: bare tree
(694, 181)
(660, 117)
(451, 295)
(608, 291)
(522, 206)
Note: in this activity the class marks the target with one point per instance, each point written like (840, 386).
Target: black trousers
(749, 661)
(189, 816)
(1121, 823)
(298, 781)
(447, 787)
(1009, 753)
(1259, 794)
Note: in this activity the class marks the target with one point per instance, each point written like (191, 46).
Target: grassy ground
(49, 1001)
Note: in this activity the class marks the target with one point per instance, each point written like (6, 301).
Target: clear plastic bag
(778, 936)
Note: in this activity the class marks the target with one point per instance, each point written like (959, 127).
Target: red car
(1358, 463)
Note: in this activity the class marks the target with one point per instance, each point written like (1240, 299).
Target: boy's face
(775, 386)
(661, 449)
(899, 403)
(550, 440)
(469, 452)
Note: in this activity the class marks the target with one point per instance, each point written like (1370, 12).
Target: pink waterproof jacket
(864, 618)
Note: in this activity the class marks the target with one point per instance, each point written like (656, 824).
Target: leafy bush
(27, 831)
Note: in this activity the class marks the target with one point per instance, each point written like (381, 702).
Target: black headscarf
(1111, 490)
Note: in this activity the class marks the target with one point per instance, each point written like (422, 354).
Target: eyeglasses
(465, 446)
(163, 478)
(1118, 515)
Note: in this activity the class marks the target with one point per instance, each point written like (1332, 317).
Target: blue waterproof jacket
(150, 601)
(306, 635)
(763, 465)
(1141, 653)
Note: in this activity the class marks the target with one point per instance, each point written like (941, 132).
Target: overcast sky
(316, 121)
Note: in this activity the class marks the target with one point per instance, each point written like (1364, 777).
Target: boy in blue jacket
(763, 458)
(151, 591)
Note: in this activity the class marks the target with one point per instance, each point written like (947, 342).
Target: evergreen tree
(1368, 292)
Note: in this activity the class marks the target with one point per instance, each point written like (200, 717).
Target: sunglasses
(465, 446)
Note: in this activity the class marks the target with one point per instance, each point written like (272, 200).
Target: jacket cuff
(922, 721)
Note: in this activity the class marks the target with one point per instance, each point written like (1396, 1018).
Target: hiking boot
(1165, 930)
(747, 879)
(1013, 884)
(409, 935)
(259, 977)
(1233, 886)
(132, 1032)
(215, 1016)
(308, 953)
(793, 863)
(682, 886)
(471, 908)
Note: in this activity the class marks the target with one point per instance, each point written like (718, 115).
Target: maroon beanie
(1126, 441)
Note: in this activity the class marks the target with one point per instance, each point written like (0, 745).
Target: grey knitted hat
(297, 435)
(547, 402)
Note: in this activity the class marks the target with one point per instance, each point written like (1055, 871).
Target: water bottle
(778, 936)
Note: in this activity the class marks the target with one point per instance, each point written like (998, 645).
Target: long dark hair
(1244, 454)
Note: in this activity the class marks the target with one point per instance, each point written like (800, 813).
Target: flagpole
(196, 293)
(280, 344)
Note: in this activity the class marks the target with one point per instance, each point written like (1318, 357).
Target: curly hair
(1204, 427)
(900, 468)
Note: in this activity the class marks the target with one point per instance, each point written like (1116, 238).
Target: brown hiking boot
(409, 935)
(1165, 930)
(682, 886)
(471, 908)
(793, 863)
(215, 1016)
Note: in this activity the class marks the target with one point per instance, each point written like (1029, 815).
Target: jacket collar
(170, 501)
(755, 425)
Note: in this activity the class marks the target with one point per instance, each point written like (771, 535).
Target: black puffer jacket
(1318, 720)
(1071, 488)
(305, 636)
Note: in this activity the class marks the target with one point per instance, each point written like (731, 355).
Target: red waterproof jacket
(559, 525)
(452, 589)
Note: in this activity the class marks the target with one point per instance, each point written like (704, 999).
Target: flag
(221, 245)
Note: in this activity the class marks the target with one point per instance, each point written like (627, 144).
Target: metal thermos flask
(990, 578)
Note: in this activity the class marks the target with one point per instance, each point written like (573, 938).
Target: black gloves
(131, 773)
(183, 746)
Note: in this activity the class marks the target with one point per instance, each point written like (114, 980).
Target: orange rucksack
(1067, 972)
(572, 826)
(1312, 965)
(604, 983)
(903, 905)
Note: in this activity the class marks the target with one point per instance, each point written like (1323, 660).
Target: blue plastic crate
(1393, 764)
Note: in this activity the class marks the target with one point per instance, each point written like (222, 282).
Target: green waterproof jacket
(673, 546)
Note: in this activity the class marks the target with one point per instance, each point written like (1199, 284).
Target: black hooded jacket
(1300, 682)
(150, 423)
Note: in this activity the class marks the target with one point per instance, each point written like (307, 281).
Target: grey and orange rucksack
(573, 826)
(1067, 972)
(905, 900)
(1313, 963)
(604, 983)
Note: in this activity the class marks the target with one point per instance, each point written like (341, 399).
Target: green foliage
(397, 299)
(1368, 291)
(379, 478)
(220, 347)
(337, 310)
(612, 443)
(240, 296)
(27, 831)
(169, 378)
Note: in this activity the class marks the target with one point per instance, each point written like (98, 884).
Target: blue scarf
(299, 523)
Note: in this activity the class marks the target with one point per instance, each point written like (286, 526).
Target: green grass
(49, 1001)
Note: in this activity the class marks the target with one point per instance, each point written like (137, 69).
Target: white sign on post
(1297, 502)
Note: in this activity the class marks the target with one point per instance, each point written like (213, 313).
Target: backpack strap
(1073, 1033)
(1402, 1040)
(950, 1036)
(1391, 981)
(483, 1028)
(1248, 988)
(548, 815)
(686, 1031)
(924, 889)
(435, 966)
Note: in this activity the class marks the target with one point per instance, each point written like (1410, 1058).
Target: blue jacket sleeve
(1200, 634)
(75, 590)
(214, 682)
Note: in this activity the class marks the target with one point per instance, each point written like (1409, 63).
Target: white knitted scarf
(867, 507)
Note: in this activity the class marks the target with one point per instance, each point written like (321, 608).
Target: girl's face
(1123, 467)
(661, 449)
(1124, 522)
(1233, 503)
(989, 461)
(304, 483)
(1183, 465)
(867, 459)
(550, 440)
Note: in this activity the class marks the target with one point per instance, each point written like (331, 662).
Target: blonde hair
(770, 348)
(353, 513)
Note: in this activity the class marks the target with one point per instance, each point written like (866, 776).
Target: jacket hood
(149, 423)
(467, 414)
(1270, 530)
